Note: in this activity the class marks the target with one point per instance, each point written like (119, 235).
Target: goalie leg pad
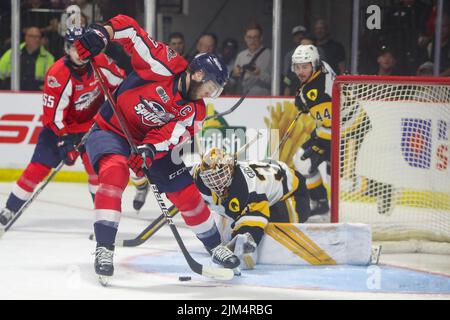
(23, 189)
(196, 214)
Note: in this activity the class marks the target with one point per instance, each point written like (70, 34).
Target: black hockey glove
(67, 148)
(92, 42)
(316, 146)
(300, 105)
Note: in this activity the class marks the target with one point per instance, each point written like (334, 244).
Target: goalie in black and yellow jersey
(249, 195)
(314, 97)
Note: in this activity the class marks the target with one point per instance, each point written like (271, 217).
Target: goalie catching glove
(92, 42)
(140, 162)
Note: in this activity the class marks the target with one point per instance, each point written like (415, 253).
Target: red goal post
(390, 155)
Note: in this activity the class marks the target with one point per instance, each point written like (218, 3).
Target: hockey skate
(385, 200)
(141, 196)
(104, 263)
(320, 211)
(223, 256)
(6, 216)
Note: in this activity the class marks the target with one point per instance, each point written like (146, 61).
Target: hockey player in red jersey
(71, 98)
(161, 101)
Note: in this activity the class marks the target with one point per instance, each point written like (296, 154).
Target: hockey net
(390, 159)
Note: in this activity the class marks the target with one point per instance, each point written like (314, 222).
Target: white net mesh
(394, 158)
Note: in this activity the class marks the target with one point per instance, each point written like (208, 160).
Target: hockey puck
(184, 278)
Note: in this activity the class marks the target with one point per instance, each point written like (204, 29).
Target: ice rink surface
(47, 255)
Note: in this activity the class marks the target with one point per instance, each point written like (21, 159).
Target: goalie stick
(207, 271)
(40, 188)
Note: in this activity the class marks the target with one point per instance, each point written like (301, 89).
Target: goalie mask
(217, 170)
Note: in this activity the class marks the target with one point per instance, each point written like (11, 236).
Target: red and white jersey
(166, 116)
(72, 97)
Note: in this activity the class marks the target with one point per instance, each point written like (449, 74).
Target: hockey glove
(92, 42)
(67, 148)
(140, 162)
(302, 107)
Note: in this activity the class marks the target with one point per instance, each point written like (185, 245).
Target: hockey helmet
(306, 54)
(217, 170)
(214, 69)
(71, 35)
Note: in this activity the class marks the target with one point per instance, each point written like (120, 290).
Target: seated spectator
(91, 11)
(298, 33)
(35, 60)
(403, 30)
(444, 67)
(387, 63)
(252, 70)
(425, 69)
(176, 42)
(334, 51)
(228, 55)
(207, 43)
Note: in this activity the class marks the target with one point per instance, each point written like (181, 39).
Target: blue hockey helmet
(214, 70)
(73, 34)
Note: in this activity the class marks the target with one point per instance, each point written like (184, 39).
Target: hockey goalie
(262, 208)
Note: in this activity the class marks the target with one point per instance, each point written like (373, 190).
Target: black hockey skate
(320, 211)
(104, 263)
(6, 216)
(141, 196)
(385, 201)
(224, 257)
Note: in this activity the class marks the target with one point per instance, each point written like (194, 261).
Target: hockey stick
(286, 135)
(234, 107)
(212, 272)
(150, 230)
(41, 187)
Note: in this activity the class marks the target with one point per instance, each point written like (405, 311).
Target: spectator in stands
(207, 43)
(91, 11)
(334, 51)
(252, 70)
(176, 42)
(298, 33)
(444, 68)
(35, 60)
(228, 54)
(387, 63)
(403, 30)
(425, 69)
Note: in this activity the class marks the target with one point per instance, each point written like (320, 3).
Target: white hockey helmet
(217, 170)
(304, 54)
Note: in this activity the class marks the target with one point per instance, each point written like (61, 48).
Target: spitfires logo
(152, 113)
(86, 99)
